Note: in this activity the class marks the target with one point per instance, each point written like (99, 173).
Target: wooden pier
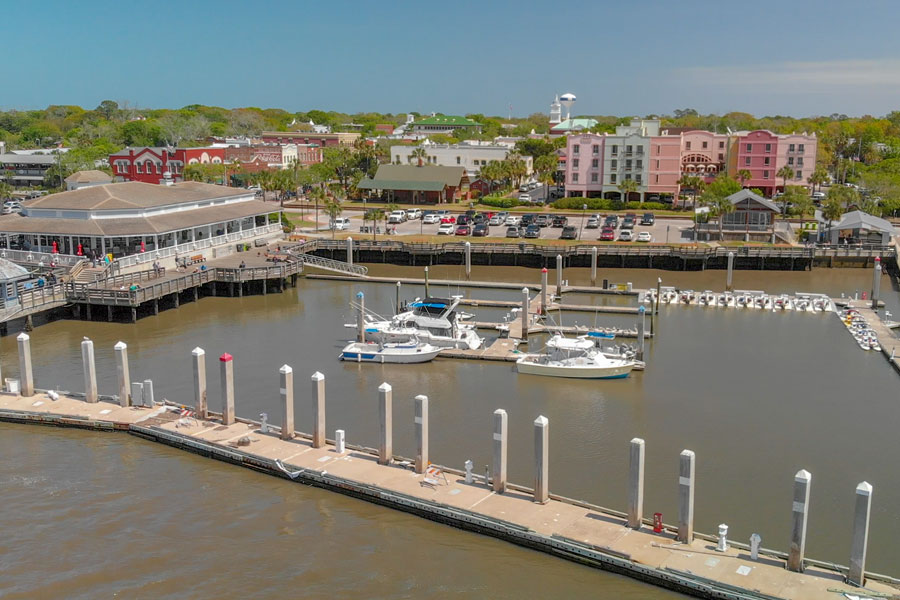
(559, 526)
(890, 344)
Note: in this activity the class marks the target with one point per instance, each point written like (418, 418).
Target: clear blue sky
(798, 57)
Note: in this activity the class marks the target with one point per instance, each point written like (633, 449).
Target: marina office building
(133, 217)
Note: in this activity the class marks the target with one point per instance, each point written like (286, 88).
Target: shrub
(499, 202)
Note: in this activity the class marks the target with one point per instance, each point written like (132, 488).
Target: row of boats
(429, 326)
(859, 328)
(743, 299)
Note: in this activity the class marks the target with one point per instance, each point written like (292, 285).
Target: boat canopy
(563, 343)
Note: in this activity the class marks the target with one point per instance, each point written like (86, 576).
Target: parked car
(569, 232)
(479, 218)
(11, 207)
(414, 213)
(524, 187)
(431, 219)
(513, 231)
(593, 222)
(648, 219)
(629, 221)
(644, 236)
(446, 229)
(513, 220)
(528, 219)
(607, 234)
(612, 221)
(560, 221)
(341, 224)
(481, 230)
(397, 216)
(496, 220)
(463, 220)
(626, 235)
(463, 230)
(448, 218)
(543, 220)
(526, 198)
(532, 231)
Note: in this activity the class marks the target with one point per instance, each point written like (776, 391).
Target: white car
(398, 216)
(496, 220)
(447, 229)
(341, 224)
(644, 236)
(525, 198)
(414, 213)
(431, 219)
(626, 235)
(512, 220)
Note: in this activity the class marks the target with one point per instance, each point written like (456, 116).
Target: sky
(796, 57)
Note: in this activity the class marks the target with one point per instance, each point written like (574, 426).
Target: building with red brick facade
(148, 164)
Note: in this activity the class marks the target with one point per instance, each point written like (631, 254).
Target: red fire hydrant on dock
(657, 523)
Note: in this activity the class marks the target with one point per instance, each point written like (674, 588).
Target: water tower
(567, 100)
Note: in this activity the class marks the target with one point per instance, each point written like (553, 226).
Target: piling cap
(359, 294)
(285, 369)
(120, 346)
(641, 309)
(23, 337)
(864, 489)
(385, 387)
(542, 421)
(226, 358)
(198, 351)
(544, 270)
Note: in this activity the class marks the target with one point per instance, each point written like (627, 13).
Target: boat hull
(529, 367)
(373, 353)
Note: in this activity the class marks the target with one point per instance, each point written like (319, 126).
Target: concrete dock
(700, 565)
(890, 343)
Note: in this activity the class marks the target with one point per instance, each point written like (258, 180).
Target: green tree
(818, 177)
(626, 187)
(318, 194)
(109, 109)
(376, 214)
(832, 209)
(333, 210)
(744, 176)
(694, 184)
(785, 173)
(545, 166)
(716, 194)
(419, 155)
(798, 198)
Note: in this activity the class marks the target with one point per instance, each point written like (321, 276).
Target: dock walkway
(569, 529)
(889, 342)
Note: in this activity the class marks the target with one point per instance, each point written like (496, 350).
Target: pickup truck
(397, 216)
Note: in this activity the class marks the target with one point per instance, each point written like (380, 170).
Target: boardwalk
(569, 529)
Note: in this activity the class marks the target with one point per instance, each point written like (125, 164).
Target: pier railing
(281, 270)
(40, 258)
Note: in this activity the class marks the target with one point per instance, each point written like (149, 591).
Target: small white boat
(763, 301)
(707, 298)
(574, 358)
(822, 305)
(726, 300)
(783, 302)
(743, 301)
(402, 353)
(670, 297)
(687, 296)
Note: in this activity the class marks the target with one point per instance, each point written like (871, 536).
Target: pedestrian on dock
(243, 265)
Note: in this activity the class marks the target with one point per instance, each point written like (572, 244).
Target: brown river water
(756, 395)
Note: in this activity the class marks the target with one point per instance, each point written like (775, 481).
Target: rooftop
(10, 270)
(743, 195)
(91, 176)
(132, 195)
(412, 177)
(448, 120)
(857, 219)
(28, 159)
(575, 125)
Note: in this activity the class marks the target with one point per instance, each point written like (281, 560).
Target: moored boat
(574, 358)
(404, 353)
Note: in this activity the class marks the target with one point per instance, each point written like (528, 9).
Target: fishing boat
(707, 298)
(431, 320)
(404, 353)
(574, 358)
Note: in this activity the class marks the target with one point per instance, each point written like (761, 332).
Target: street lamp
(583, 209)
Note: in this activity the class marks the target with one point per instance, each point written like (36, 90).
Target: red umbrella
(55, 249)
(143, 248)
(80, 251)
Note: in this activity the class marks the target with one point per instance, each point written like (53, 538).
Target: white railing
(36, 257)
(189, 247)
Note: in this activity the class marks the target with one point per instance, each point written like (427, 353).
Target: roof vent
(167, 178)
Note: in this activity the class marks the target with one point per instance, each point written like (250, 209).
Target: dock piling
(636, 484)
(594, 265)
(421, 419)
(544, 291)
(861, 513)
(318, 400)
(339, 441)
(468, 260)
(426, 283)
(755, 541)
(137, 392)
(525, 309)
(148, 393)
(25, 372)
(728, 279)
(123, 377)
(876, 283)
(361, 318)
(559, 274)
(500, 438)
(90, 371)
(397, 305)
(286, 379)
(541, 460)
(385, 419)
(641, 324)
(199, 355)
(349, 250)
(686, 465)
(226, 371)
(722, 545)
(799, 512)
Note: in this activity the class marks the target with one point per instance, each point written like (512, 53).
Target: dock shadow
(762, 560)
(607, 519)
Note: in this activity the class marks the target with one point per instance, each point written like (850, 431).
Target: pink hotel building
(596, 164)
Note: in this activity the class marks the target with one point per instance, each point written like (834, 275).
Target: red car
(448, 219)
(463, 230)
(607, 234)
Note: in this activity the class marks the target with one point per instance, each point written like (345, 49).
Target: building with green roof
(418, 184)
(573, 126)
(445, 124)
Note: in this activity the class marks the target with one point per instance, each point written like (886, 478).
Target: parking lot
(662, 231)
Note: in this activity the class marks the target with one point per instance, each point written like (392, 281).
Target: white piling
(385, 419)
(26, 375)
(499, 442)
(541, 460)
(200, 407)
(525, 315)
(421, 420)
(349, 250)
(286, 389)
(137, 392)
(468, 260)
(226, 374)
(426, 282)
(397, 305)
(876, 283)
(361, 317)
(339, 441)
(755, 541)
(559, 274)
(90, 371)
(594, 265)
(641, 325)
(318, 401)
(544, 291)
(686, 464)
(123, 377)
(799, 514)
(148, 393)
(861, 513)
(728, 279)
(636, 484)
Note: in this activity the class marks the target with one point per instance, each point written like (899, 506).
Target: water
(756, 395)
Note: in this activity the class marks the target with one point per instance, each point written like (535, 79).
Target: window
(705, 145)
(575, 162)
(595, 149)
(398, 160)
(657, 166)
(628, 176)
(658, 149)
(593, 178)
(800, 147)
(639, 164)
(628, 163)
(766, 161)
(612, 178)
(576, 148)
(799, 161)
(657, 178)
(721, 156)
(139, 168)
(615, 150)
(790, 147)
(574, 177)
(790, 160)
(747, 161)
(721, 145)
(638, 178)
(614, 164)
(458, 160)
(768, 147)
(749, 147)
(595, 163)
(765, 174)
(628, 149)
(687, 145)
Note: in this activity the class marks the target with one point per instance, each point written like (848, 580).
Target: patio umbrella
(55, 248)
(80, 251)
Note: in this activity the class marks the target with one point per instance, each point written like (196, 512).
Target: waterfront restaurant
(133, 217)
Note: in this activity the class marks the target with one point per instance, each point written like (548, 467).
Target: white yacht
(575, 358)
(404, 353)
(431, 320)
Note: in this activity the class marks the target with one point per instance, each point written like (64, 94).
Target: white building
(470, 156)
(627, 155)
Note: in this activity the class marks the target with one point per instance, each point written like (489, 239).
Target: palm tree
(693, 183)
(626, 187)
(743, 176)
(785, 173)
(420, 154)
(722, 206)
(818, 177)
(376, 214)
(334, 210)
(546, 166)
(832, 209)
(318, 194)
